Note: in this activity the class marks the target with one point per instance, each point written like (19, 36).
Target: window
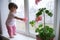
(33, 8)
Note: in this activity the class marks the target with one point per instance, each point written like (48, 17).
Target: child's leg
(14, 30)
(10, 31)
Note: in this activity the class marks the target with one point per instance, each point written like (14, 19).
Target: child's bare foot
(14, 34)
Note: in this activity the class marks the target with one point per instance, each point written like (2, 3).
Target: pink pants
(11, 30)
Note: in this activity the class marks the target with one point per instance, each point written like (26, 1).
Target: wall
(0, 18)
(59, 16)
(4, 13)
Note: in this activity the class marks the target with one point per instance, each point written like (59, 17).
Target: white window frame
(56, 20)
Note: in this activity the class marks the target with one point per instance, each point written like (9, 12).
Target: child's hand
(25, 19)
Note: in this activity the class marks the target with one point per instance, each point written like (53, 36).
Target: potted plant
(45, 32)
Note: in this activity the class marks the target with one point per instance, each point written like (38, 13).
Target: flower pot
(38, 38)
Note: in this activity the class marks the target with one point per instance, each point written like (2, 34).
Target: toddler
(10, 22)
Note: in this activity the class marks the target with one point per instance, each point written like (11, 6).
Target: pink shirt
(11, 20)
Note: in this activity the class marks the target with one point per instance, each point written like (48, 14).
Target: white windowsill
(21, 37)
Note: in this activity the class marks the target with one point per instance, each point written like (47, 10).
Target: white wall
(59, 16)
(4, 13)
(0, 17)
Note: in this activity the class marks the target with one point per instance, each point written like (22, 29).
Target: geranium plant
(45, 32)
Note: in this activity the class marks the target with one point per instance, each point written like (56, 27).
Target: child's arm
(22, 19)
(18, 18)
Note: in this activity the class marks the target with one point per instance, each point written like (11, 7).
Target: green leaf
(40, 25)
(52, 35)
(37, 30)
(43, 8)
(47, 11)
(51, 30)
(38, 13)
(42, 29)
(47, 27)
(50, 14)
(32, 23)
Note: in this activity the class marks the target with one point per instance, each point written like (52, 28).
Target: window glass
(20, 25)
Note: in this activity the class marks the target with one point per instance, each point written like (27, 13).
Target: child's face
(13, 9)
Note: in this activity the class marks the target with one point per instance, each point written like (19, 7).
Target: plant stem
(44, 24)
(44, 20)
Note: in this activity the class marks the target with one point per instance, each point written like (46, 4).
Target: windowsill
(27, 34)
(21, 37)
(18, 37)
